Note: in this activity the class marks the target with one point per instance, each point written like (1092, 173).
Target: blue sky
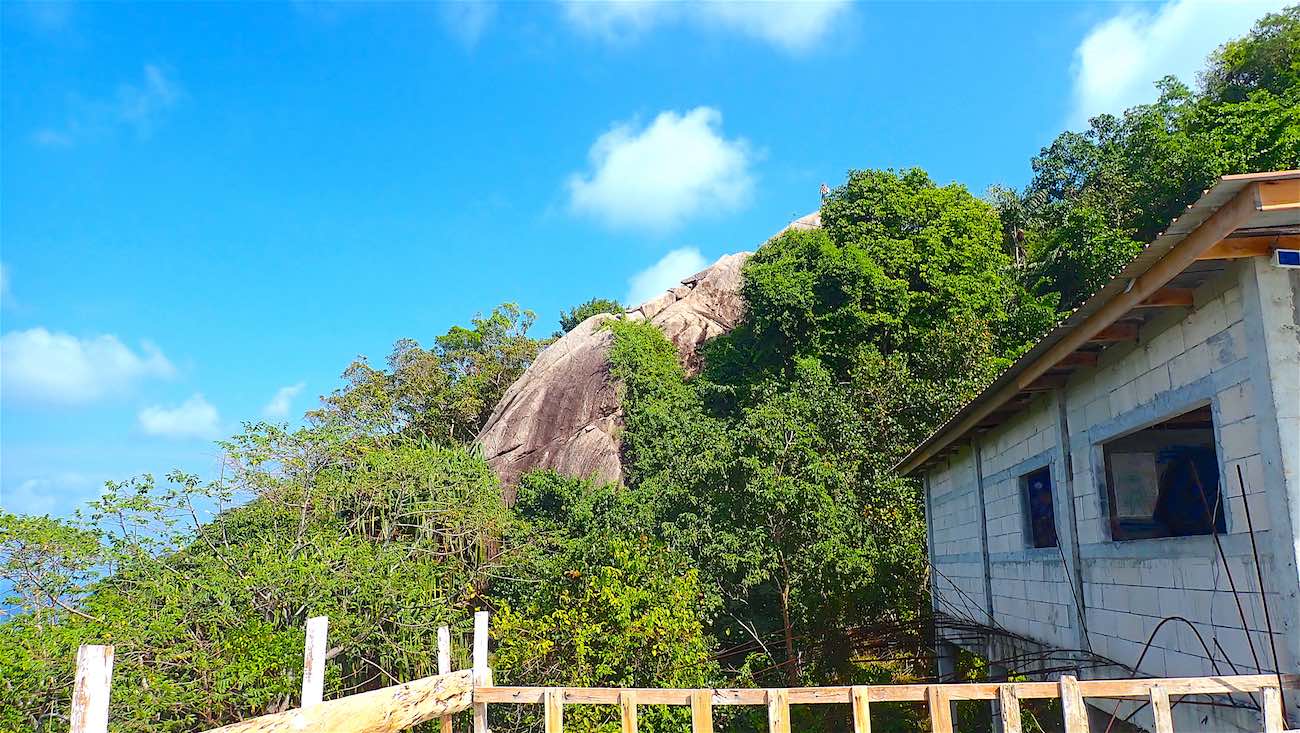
(207, 210)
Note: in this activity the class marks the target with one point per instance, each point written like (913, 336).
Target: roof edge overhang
(1234, 203)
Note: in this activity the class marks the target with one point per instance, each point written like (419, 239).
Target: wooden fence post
(444, 665)
(313, 661)
(1274, 722)
(778, 711)
(627, 705)
(1009, 703)
(1163, 711)
(90, 693)
(1072, 710)
(702, 711)
(861, 709)
(940, 709)
(482, 673)
(553, 704)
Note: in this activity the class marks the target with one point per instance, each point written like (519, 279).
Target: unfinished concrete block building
(1125, 499)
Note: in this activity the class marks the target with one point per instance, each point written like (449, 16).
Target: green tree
(570, 319)
(444, 394)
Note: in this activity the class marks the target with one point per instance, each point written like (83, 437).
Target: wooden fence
(396, 708)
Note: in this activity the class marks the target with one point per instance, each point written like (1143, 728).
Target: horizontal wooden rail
(1139, 688)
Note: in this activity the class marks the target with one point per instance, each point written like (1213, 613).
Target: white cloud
(193, 418)
(57, 368)
(467, 20)
(281, 402)
(1117, 63)
(135, 106)
(52, 494)
(792, 26)
(663, 275)
(656, 178)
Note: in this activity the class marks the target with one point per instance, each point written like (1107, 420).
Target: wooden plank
(778, 711)
(861, 709)
(1009, 708)
(91, 688)
(1136, 689)
(1073, 714)
(444, 667)
(1168, 298)
(702, 711)
(940, 709)
(1235, 213)
(1077, 359)
(1279, 195)
(386, 710)
(1047, 383)
(1257, 246)
(1115, 332)
(1274, 719)
(1160, 708)
(627, 707)
(481, 672)
(554, 705)
(313, 660)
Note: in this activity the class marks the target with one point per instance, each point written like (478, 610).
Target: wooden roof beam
(1168, 298)
(1047, 383)
(1114, 333)
(1235, 248)
(1279, 195)
(1077, 359)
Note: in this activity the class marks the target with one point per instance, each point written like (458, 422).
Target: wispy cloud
(48, 494)
(47, 367)
(664, 275)
(137, 106)
(193, 418)
(280, 403)
(655, 178)
(1118, 61)
(791, 26)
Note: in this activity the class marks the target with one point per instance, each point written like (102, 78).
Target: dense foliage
(570, 319)
(760, 536)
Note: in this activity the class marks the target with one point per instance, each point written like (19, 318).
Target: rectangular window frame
(1106, 487)
(1026, 514)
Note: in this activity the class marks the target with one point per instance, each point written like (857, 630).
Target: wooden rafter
(1167, 298)
(1235, 248)
(1115, 332)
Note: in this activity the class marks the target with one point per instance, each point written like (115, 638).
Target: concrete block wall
(957, 550)
(1238, 350)
(1181, 361)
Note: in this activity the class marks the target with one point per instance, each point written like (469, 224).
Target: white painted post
(90, 693)
(482, 674)
(313, 661)
(444, 665)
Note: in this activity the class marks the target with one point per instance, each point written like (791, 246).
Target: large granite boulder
(563, 413)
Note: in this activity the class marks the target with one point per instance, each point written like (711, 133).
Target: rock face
(563, 413)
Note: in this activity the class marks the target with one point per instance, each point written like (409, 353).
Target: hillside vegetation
(760, 539)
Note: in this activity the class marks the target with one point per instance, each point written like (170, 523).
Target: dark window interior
(1163, 481)
(1038, 506)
